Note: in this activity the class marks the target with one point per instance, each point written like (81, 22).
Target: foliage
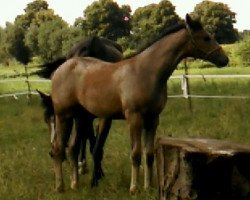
(39, 32)
(218, 19)
(4, 57)
(105, 18)
(49, 38)
(150, 20)
(15, 43)
(46, 31)
(241, 52)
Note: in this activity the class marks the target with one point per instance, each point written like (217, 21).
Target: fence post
(185, 86)
(27, 81)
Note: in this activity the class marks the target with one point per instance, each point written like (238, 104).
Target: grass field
(26, 168)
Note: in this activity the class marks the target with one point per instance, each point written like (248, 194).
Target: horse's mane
(172, 29)
(50, 67)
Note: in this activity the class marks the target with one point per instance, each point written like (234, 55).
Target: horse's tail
(48, 68)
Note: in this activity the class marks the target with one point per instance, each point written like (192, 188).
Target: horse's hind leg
(82, 162)
(74, 149)
(150, 125)
(103, 130)
(62, 133)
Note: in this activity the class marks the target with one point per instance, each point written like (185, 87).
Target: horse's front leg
(62, 132)
(151, 124)
(135, 122)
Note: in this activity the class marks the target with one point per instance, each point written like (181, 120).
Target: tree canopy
(40, 32)
(107, 19)
(218, 19)
(151, 20)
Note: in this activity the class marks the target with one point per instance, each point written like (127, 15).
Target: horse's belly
(102, 104)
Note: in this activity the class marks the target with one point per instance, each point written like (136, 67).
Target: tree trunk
(202, 169)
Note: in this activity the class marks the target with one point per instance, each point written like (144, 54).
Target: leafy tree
(4, 58)
(15, 44)
(105, 18)
(218, 19)
(241, 52)
(37, 16)
(15, 33)
(49, 38)
(149, 21)
(31, 11)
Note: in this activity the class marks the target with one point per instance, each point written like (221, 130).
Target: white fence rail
(185, 89)
(183, 78)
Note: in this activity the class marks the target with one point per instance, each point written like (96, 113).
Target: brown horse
(133, 89)
(97, 47)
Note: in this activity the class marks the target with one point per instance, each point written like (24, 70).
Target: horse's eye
(207, 39)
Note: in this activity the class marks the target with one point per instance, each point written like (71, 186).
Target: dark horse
(97, 47)
(133, 89)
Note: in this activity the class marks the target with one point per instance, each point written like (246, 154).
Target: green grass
(26, 169)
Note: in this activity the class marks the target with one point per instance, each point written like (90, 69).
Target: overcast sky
(69, 10)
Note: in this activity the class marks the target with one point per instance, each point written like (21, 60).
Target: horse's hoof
(74, 186)
(60, 188)
(94, 183)
(83, 169)
(133, 190)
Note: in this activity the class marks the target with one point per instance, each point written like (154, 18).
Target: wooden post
(28, 83)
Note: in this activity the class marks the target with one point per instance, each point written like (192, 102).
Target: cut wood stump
(202, 169)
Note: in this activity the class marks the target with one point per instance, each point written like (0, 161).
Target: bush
(241, 52)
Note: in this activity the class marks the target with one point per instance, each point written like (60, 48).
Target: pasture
(26, 168)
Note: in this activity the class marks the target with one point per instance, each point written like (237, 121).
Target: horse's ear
(193, 24)
(46, 99)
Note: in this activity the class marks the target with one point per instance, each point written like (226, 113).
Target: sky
(69, 10)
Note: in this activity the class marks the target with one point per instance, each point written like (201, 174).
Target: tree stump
(202, 169)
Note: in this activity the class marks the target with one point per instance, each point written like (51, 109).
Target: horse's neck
(162, 57)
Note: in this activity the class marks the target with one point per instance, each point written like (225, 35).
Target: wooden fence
(183, 83)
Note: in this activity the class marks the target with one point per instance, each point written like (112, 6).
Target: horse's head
(49, 116)
(203, 45)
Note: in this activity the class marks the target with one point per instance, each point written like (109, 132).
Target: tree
(51, 35)
(241, 52)
(37, 16)
(218, 19)
(4, 58)
(15, 43)
(105, 18)
(149, 21)
(15, 33)
(31, 11)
